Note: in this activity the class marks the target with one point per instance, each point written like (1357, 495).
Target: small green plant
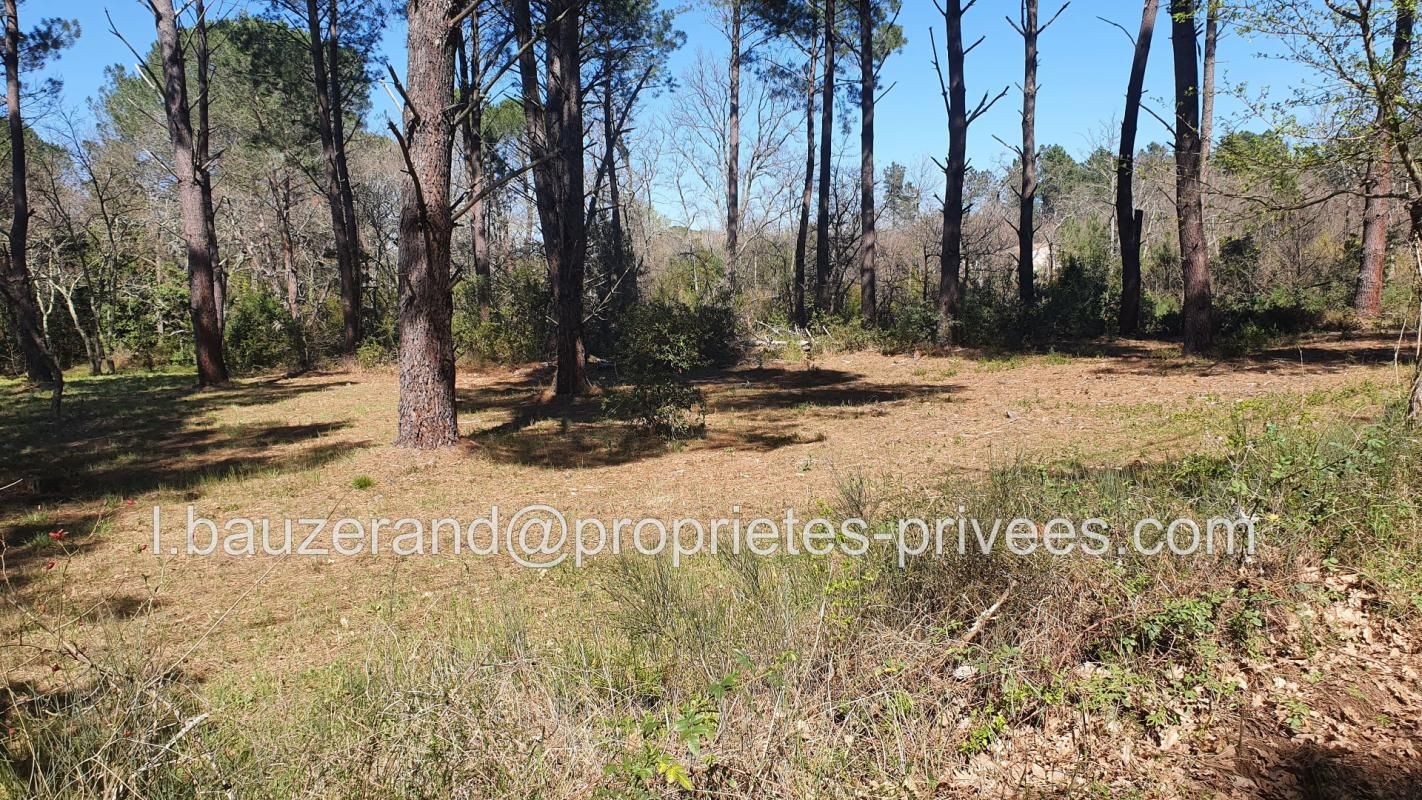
(1296, 714)
(641, 769)
(1174, 627)
(362, 482)
(990, 725)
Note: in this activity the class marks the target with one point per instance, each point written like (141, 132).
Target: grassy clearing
(835, 676)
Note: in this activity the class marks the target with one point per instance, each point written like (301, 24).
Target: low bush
(658, 338)
(516, 330)
(372, 354)
(913, 324)
(152, 324)
(658, 344)
(665, 407)
(260, 334)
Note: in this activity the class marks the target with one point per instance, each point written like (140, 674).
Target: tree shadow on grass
(130, 434)
(1317, 356)
(777, 389)
(578, 434)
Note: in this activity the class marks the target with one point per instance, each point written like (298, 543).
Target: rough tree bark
(1129, 221)
(1189, 208)
(802, 230)
(325, 68)
(624, 277)
(1207, 109)
(869, 237)
(1367, 301)
(823, 293)
(1027, 193)
(1388, 84)
(15, 281)
(733, 150)
(343, 175)
(202, 305)
(427, 413)
(555, 136)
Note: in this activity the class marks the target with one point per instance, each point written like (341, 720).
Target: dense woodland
(231, 204)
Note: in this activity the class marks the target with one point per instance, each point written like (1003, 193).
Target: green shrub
(912, 324)
(1250, 337)
(843, 336)
(1074, 304)
(989, 318)
(137, 321)
(517, 329)
(658, 343)
(718, 340)
(657, 339)
(1161, 315)
(260, 333)
(372, 354)
(668, 408)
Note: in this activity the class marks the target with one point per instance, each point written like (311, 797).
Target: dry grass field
(246, 637)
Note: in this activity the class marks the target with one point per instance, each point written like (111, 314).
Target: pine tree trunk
(802, 229)
(823, 298)
(351, 319)
(332, 148)
(1207, 108)
(618, 268)
(1189, 207)
(951, 255)
(1367, 301)
(565, 94)
(427, 412)
(472, 130)
(1027, 194)
(1128, 219)
(868, 300)
(733, 151)
(555, 133)
(1207, 89)
(15, 280)
(202, 305)
(203, 162)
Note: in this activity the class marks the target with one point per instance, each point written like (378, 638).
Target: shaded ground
(779, 435)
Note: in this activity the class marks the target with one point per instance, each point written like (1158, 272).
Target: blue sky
(1084, 63)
